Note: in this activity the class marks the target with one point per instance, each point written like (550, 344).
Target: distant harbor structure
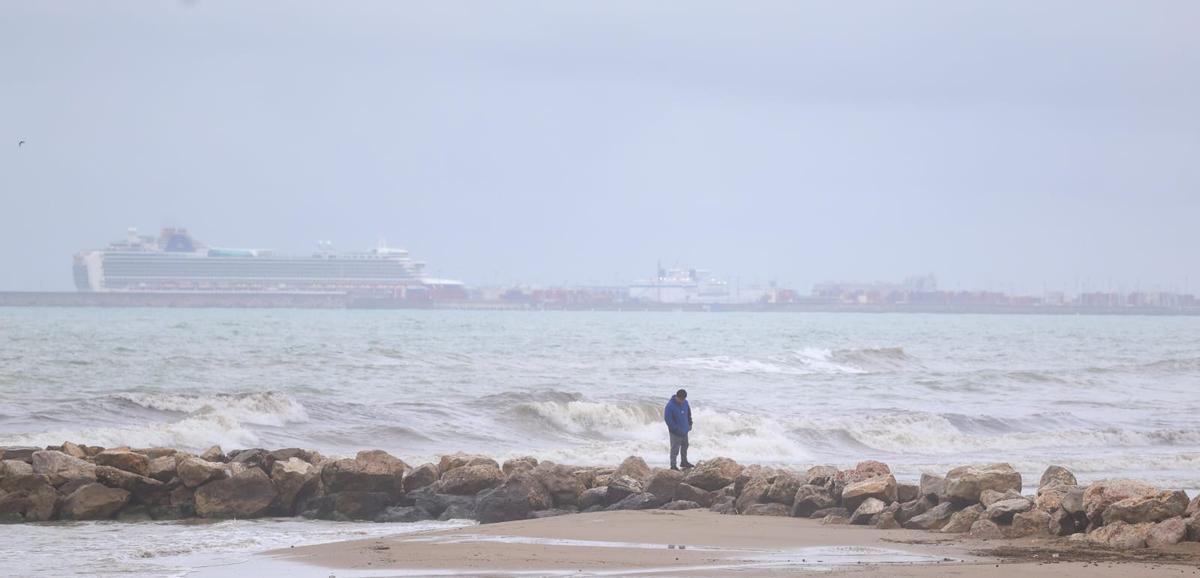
(174, 261)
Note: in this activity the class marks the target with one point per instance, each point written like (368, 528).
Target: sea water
(1104, 396)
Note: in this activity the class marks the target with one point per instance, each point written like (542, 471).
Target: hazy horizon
(1008, 146)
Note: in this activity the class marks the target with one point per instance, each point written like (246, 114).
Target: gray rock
(1121, 535)
(213, 454)
(868, 508)
(1147, 508)
(820, 475)
(882, 488)
(195, 472)
(126, 460)
(162, 468)
(1055, 476)
(1100, 495)
(18, 453)
(621, 487)
(593, 497)
(933, 486)
(984, 529)
(886, 521)
(1064, 523)
(965, 484)
(246, 495)
(1031, 523)
(783, 488)
(811, 498)
(690, 493)
(370, 471)
(989, 497)
(61, 468)
(754, 492)
(1167, 532)
(713, 474)
(635, 468)
(962, 520)
(562, 483)
(15, 468)
(295, 480)
(521, 464)
(907, 492)
(459, 512)
(93, 502)
(933, 519)
(1072, 501)
(421, 476)
(1002, 512)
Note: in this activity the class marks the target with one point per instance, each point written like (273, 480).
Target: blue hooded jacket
(678, 417)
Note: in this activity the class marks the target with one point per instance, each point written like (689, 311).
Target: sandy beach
(701, 543)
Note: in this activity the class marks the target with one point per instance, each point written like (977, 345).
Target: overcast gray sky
(1004, 145)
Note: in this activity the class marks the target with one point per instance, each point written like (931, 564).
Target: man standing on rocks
(678, 416)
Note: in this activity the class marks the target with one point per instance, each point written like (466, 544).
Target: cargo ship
(174, 261)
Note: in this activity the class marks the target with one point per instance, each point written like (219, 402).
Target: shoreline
(541, 517)
(702, 543)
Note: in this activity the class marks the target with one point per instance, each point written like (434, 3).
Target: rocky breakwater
(73, 482)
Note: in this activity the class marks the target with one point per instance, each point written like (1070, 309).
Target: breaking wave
(267, 408)
(806, 361)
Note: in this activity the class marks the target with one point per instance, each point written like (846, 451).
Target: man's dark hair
(682, 394)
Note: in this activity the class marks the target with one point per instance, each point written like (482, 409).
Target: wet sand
(701, 543)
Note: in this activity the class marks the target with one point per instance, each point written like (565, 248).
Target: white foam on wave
(807, 361)
(265, 408)
(225, 419)
(606, 432)
(933, 434)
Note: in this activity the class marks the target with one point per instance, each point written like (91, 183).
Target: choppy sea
(1103, 395)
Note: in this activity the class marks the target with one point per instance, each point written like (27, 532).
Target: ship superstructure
(175, 261)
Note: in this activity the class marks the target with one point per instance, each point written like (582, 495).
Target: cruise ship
(174, 261)
(679, 285)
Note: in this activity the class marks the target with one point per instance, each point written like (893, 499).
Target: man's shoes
(687, 465)
(674, 468)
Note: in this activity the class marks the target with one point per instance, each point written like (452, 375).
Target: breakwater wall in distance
(80, 482)
(335, 300)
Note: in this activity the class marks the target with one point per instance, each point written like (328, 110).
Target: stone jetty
(79, 482)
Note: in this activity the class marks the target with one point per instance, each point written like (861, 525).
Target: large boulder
(295, 480)
(882, 488)
(868, 509)
(61, 468)
(517, 499)
(1056, 476)
(713, 474)
(620, 488)
(1149, 508)
(1030, 523)
(865, 470)
(634, 467)
(783, 488)
(286, 454)
(355, 505)
(820, 475)
(521, 464)
(810, 498)
(1050, 498)
(593, 497)
(12, 468)
(195, 472)
(907, 492)
(369, 471)
(1064, 523)
(140, 486)
(688, 492)
(1100, 495)
(932, 486)
(965, 484)
(1121, 535)
(421, 476)
(1072, 501)
(459, 460)
(989, 497)
(213, 454)
(1002, 512)
(1167, 532)
(913, 508)
(93, 502)
(962, 520)
(562, 483)
(754, 492)
(1193, 508)
(984, 529)
(1193, 529)
(123, 459)
(468, 480)
(19, 453)
(662, 483)
(29, 497)
(246, 495)
(933, 519)
(437, 504)
(162, 468)
(254, 458)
